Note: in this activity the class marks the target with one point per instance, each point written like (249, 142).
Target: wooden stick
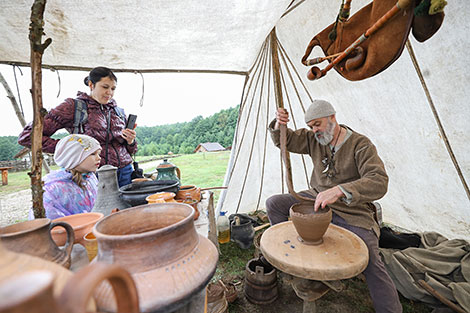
(261, 226)
(211, 188)
(441, 298)
(212, 223)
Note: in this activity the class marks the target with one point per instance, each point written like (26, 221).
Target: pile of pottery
(139, 239)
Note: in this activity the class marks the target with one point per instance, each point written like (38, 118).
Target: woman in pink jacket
(99, 118)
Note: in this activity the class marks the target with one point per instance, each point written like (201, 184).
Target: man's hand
(282, 117)
(328, 196)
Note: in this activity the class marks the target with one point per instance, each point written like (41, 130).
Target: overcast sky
(168, 98)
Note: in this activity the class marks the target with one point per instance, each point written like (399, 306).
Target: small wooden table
(5, 174)
(316, 269)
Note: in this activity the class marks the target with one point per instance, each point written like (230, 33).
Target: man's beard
(326, 137)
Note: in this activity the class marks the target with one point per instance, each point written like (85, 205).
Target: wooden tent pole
(283, 128)
(18, 114)
(36, 31)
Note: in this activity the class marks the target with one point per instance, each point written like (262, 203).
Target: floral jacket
(62, 196)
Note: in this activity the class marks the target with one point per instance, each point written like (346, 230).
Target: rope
(254, 133)
(251, 105)
(143, 89)
(437, 118)
(17, 88)
(292, 110)
(60, 85)
(265, 134)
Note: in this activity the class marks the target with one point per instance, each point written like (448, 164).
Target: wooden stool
(316, 269)
(5, 174)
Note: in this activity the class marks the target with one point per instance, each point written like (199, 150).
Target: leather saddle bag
(374, 54)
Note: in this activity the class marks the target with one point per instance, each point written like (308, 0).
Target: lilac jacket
(62, 196)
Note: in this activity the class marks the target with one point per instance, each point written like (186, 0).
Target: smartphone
(131, 121)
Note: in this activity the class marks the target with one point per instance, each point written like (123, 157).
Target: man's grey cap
(319, 109)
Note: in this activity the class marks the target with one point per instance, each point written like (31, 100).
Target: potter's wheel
(342, 254)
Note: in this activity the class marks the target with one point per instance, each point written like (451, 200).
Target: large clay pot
(34, 238)
(107, 197)
(189, 191)
(158, 244)
(310, 225)
(135, 193)
(81, 223)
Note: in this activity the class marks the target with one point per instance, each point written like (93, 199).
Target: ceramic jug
(107, 197)
(168, 171)
(33, 291)
(34, 238)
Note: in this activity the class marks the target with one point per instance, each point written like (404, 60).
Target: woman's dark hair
(97, 73)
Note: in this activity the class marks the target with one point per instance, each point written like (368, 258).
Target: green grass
(200, 169)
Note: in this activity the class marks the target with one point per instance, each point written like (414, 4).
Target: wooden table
(5, 174)
(315, 269)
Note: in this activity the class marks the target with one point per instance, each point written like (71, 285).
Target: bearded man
(347, 176)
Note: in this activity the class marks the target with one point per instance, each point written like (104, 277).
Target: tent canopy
(416, 112)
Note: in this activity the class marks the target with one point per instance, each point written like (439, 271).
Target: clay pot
(135, 193)
(161, 197)
(13, 264)
(189, 191)
(33, 291)
(34, 238)
(91, 245)
(192, 203)
(81, 223)
(158, 244)
(26, 291)
(310, 225)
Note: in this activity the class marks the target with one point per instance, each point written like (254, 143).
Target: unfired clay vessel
(81, 223)
(34, 238)
(310, 225)
(158, 244)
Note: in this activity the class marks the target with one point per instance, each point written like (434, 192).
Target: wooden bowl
(81, 223)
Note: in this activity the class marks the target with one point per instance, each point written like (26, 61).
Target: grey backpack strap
(80, 116)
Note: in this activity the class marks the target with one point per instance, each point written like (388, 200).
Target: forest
(181, 138)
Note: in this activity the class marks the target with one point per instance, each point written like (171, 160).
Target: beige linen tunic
(359, 171)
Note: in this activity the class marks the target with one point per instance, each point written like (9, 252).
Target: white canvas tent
(416, 112)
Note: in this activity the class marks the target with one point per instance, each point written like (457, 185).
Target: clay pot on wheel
(310, 225)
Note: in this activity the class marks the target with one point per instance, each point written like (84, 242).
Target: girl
(72, 189)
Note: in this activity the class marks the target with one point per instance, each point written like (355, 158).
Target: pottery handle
(178, 173)
(79, 289)
(70, 238)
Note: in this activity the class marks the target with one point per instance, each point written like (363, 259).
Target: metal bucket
(260, 282)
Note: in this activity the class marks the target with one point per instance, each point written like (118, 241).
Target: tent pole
(37, 50)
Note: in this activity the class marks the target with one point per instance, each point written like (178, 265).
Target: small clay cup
(91, 245)
(81, 223)
(310, 225)
(34, 238)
